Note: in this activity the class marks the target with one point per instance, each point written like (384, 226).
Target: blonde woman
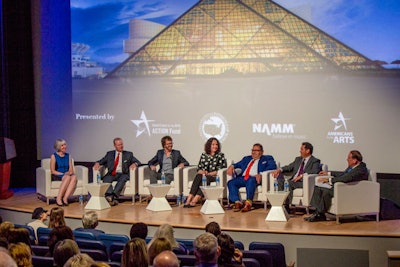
(62, 169)
(166, 231)
(135, 254)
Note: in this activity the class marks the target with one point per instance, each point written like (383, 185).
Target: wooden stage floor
(25, 200)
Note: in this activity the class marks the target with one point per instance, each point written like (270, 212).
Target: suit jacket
(127, 160)
(176, 157)
(265, 163)
(357, 174)
(313, 166)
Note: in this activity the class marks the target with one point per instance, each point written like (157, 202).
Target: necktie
(247, 174)
(114, 171)
(301, 170)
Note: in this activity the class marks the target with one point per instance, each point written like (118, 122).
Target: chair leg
(337, 219)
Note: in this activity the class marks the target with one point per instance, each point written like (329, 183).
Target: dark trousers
(121, 179)
(197, 182)
(321, 199)
(154, 176)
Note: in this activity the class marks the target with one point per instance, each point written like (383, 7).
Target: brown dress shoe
(238, 206)
(247, 207)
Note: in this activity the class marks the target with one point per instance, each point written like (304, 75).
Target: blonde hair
(165, 230)
(59, 143)
(80, 260)
(21, 253)
(135, 254)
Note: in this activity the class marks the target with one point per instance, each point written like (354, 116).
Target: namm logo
(277, 130)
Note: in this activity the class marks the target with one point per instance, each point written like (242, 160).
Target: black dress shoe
(60, 205)
(65, 203)
(316, 217)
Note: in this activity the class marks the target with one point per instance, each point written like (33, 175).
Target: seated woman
(62, 170)
(211, 160)
(167, 231)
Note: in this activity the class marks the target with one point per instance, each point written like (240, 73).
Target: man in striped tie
(251, 168)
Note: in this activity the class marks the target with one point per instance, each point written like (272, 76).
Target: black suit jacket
(357, 174)
(313, 166)
(176, 157)
(127, 160)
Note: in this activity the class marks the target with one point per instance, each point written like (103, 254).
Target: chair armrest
(43, 181)
(308, 188)
(178, 180)
(144, 174)
(188, 175)
(102, 170)
(82, 173)
(265, 185)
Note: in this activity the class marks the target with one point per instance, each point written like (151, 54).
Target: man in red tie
(118, 162)
(251, 168)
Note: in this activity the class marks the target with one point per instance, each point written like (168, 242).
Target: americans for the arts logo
(340, 134)
(213, 125)
(149, 127)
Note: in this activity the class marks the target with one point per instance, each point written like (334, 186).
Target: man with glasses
(251, 168)
(168, 159)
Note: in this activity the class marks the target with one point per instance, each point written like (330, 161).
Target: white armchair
(261, 192)
(130, 186)
(144, 181)
(361, 198)
(47, 188)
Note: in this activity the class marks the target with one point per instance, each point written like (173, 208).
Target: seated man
(250, 176)
(168, 159)
(322, 196)
(118, 163)
(306, 163)
(90, 220)
(166, 259)
(206, 250)
(39, 215)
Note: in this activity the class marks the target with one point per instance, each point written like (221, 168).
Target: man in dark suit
(168, 159)
(118, 162)
(322, 196)
(306, 163)
(250, 176)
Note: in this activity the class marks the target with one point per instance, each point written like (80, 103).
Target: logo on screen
(277, 130)
(213, 125)
(149, 127)
(340, 135)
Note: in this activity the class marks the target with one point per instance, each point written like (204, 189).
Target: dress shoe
(238, 206)
(65, 203)
(60, 205)
(316, 217)
(247, 207)
(109, 199)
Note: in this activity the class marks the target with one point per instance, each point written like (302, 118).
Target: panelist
(211, 160)
(323, 190)
(249, 177)
(168, 159)
(118, 163)
(305, 163)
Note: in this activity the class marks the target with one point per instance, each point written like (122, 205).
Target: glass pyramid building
(251, 37)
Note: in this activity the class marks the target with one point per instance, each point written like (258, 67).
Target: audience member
(211, 160)
(230, 256)
(81, 260)
(39, 215)
(168, 159)
(62, 169)
(90, 221)
(135, 254)
(323, 190)
(305, 163)
(6, 259)
(58, 233)
(17, 235)
(56, 217)
(3, 242)
(157, 246)
(166, 230)
(64, 250)
(5, 229)
(139, 230)
(166, 259)
(21, 253)
(213, 228)
(206, 250)
(249, 177)
(118, 162)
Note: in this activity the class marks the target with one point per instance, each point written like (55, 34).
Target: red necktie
(115, 165)
(247, 174)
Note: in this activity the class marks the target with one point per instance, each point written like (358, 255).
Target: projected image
(276, 73)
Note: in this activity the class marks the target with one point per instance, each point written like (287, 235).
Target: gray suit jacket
(313, 166)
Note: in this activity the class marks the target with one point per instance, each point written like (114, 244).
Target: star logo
(340, 121)
(142, 124)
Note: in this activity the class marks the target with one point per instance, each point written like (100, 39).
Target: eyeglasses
(255, 150)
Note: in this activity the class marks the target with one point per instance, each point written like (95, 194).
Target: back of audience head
(63, 250)
(56, 217)
(6, 259)
(135, 254)
(206, 248)
(90, 219)
(227, 246)
(139, 230)
(80, 260)
(58, 233)
(213, 228)
(167, 231)
(166, 259)
(5, 229)
(21, 253)
(19, 235)
(157, 246)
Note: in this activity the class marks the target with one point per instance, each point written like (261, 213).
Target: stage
(354, 233)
